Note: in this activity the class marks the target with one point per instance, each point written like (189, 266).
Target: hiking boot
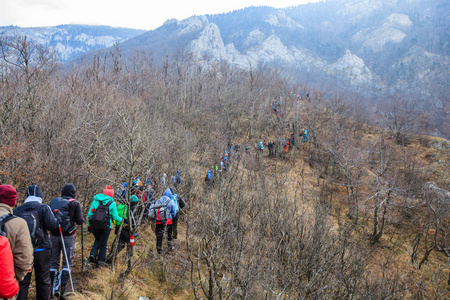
(59, 296)
(102, 264)
(92, 259)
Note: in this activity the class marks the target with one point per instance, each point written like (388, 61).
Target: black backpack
(100, 219)
(61, 210)
(31, 216)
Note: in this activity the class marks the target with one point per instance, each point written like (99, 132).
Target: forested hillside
(360, 210)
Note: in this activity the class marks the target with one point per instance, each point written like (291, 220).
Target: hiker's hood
(164, 199)
(102, 198)
(134, 198)
(33, 199)
(68, 190)
(168, 193)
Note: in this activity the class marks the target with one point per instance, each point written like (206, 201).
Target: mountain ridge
(376, 49)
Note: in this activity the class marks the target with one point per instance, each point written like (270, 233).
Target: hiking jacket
(177, 200)
(20, 240)
(104, 199)
(170, 207)
(168, 193)
(47, 220)
(122, 211)
(75, 214)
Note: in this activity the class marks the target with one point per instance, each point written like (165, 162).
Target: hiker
(122, 190)
(18, 235)
(163, 211)
(150, 182)
(69, 213)
(208, 177)
(40, 219)
(137, 182)
(247, 148)
(178, 178)
(291, 141)
(102, 209)
(125, 234)
(179, 204)
(261, 146)
(8, 285)
(306, 135)
(163, 180)
(286, 147)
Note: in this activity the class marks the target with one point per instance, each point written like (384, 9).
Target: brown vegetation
(359, 211)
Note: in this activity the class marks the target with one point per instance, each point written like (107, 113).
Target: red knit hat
(8, 195)
(108, 191)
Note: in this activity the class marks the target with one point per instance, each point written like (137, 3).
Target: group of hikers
(220, 169)
(36, 236)
(27, 229)
(216, 170)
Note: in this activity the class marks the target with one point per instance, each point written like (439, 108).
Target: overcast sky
(139, 14)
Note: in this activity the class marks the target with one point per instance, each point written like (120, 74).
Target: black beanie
(68, 190)
(34, 190)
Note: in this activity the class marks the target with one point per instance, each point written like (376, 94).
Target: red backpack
(8, 283)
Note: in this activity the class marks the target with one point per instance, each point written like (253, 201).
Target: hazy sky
(140, 14)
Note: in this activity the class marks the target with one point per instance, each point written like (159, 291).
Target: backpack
(61, 210)
(8, 283)
(31, 216)
(100, 219)
(160, 212)
(208, 175)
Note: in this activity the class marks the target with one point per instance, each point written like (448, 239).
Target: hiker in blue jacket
(166, 226)
(178, 178)
(179, 204)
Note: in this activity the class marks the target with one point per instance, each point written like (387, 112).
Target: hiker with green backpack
(125, 234)
(102, 210)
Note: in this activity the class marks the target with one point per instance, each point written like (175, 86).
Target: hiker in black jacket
(69, 213)
(41, 242)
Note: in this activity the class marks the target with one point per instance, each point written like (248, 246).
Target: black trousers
(98, 250)
(175, 228)
(124, 238)
(160, 230)
(42, 260)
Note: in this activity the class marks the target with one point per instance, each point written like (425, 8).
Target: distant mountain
(372, 47)
(70, 41)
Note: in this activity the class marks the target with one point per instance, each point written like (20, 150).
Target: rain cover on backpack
(8, 283)
(160, 212)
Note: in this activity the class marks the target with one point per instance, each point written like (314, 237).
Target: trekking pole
(67, 259)
(82, 247)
